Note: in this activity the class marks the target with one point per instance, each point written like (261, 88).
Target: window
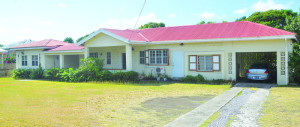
(108, 58)
(142, 57)
(94, 54)
(204, 63)
(35, 60)
(159, 57)
(24, 60)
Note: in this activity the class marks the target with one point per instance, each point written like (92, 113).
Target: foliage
(69, 40)
(21, 73)
(201, 22)
(81, 38)
(209, 22)
(193, 79)
(9, 58)
(293, 24)
(152, 25)
(129, 76)
(241, 19)
(150, 76)
(90, 70)
(1, 45)
(37, 73)
(294, 63)
(272, 18)
(53, 74)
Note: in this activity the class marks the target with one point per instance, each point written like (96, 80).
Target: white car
(258, 71)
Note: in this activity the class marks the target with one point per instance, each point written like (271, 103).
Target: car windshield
(259, 66)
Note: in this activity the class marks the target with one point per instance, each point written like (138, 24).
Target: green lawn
(282, 108)
(46, 103)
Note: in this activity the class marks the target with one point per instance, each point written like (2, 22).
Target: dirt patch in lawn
(169, 108)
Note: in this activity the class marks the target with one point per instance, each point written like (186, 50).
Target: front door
(123, 60)
(177, 65)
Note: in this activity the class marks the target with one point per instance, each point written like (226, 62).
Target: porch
(115, 57)
(63, 60)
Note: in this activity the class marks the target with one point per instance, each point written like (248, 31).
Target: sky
(58, 19)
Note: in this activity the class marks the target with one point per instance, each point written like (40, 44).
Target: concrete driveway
(243, 108)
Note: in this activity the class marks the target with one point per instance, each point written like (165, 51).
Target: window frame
(108, 58)
(36, 61)
(155, 55)
(24, 60)
(142, 57)
(205, 64)
(93, 54)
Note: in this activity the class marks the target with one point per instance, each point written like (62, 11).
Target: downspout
(286, 61)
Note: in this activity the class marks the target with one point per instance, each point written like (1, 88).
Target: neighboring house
(212, 50)
(48, 53)
(2, 54)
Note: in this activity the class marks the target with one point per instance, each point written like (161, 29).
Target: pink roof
(205, 31)
(54, 45)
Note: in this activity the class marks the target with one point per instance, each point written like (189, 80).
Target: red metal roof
(55, 45)
(205, 31)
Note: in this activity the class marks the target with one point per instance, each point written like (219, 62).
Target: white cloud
(62, 5)
(45, 23)
(269, 4)
(241, 11)
(172, 15)
(129, 23)
(207, 15)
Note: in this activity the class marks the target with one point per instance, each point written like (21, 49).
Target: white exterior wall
(29, 54)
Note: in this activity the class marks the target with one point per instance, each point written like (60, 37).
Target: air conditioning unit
(160, 70)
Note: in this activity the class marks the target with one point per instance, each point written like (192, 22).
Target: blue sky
(58, 19)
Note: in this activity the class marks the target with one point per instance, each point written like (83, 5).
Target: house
(216, 51)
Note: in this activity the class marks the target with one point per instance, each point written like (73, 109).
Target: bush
(106, 76)
(129, 76)
(21, 73)
(294, 64)
(53, 74)
(37, 73)
(90, 70)
(193, 79)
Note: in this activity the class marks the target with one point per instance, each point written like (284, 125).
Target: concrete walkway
(197, 116)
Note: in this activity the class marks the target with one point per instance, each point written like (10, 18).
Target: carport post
(286, 62)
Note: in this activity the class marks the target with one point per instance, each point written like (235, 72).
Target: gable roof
(50, 45)
(241, 29)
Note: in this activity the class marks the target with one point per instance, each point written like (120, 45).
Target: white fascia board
(30, 48)
(216, 40)
(65, 51)
(105, 32)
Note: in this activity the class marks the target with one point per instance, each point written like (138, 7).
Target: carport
(245, 59)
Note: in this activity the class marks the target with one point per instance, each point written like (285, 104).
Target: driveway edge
(197, 116)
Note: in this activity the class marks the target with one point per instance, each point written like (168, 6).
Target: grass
(46, 103)
(282, 107)
(210, 119)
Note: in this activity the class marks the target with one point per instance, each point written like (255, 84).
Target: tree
(1, 45)
(69, 39)
(241, 19)
(293, 24)
(272, 18)
(152, 25)
(201, 22)
(81, 38)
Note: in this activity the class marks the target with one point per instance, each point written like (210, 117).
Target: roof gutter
(66, 51)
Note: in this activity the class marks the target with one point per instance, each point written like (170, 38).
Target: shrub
(21, 73)
(130, 76)
(90, 70)
(193, 79)
(106, 76)
(37, 73)
(150, 76)
(53, 74)
(294, 64)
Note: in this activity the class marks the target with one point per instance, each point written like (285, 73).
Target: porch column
(128, 58)
(61, 61)
(86, 52)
